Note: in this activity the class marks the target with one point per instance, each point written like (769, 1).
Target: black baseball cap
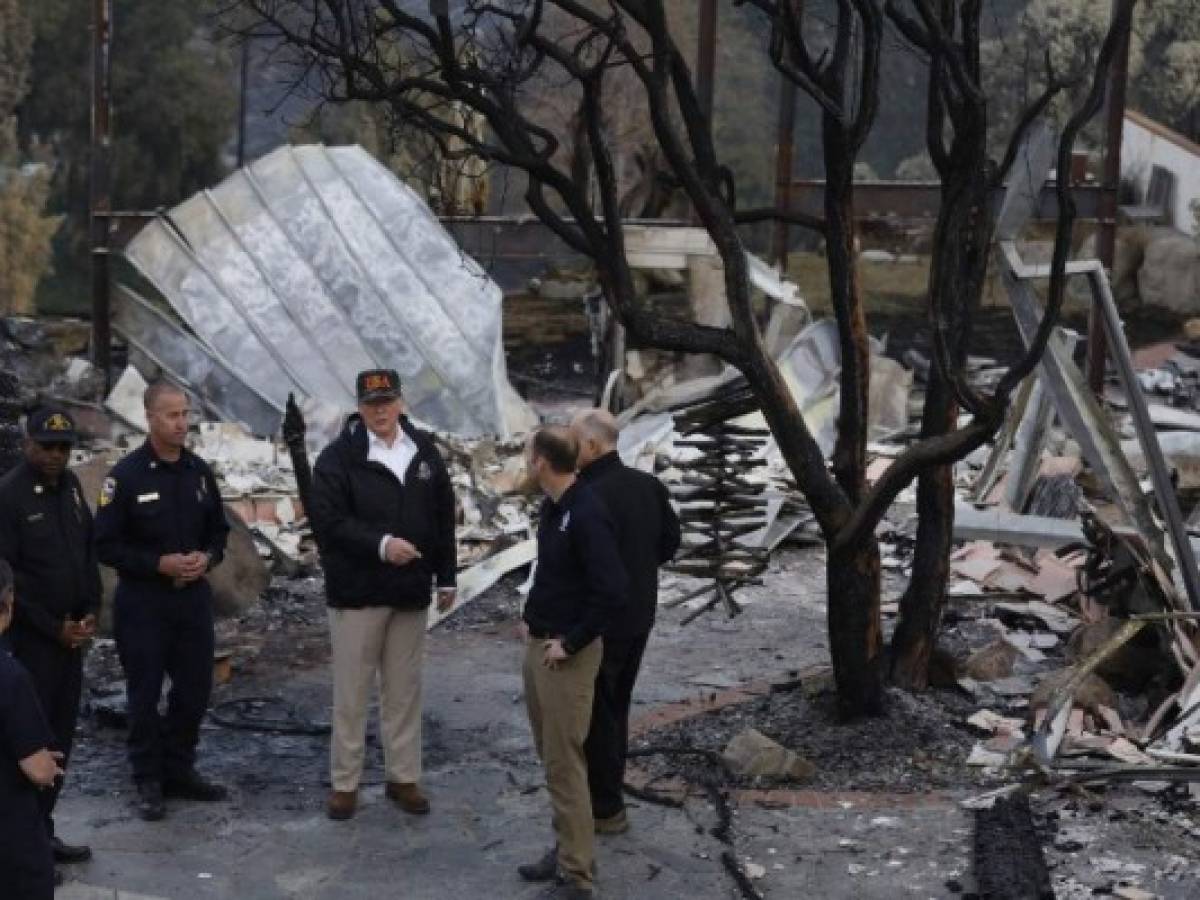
(377, 384)
(51, 426)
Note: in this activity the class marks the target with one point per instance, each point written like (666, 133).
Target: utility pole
(242, 104)
(1109, 200)
(783, 170)
(100, 185)
(706, 56)
(706, 64)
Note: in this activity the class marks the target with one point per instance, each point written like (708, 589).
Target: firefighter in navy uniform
(27, 765)
(46, 535)
(161, 524)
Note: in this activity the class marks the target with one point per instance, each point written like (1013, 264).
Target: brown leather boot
(342, 805)
(408, 797)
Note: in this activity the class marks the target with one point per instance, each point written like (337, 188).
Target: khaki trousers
(559, 701)
(384, 643)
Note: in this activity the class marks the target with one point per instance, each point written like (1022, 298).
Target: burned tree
(489, 56)
(957, 142)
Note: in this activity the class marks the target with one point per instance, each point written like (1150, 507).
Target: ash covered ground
(890, 825)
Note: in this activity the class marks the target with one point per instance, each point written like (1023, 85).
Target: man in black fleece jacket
(580, 586)
(383, 513)
(648, 536)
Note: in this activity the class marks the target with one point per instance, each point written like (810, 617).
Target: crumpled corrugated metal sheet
(314, 263)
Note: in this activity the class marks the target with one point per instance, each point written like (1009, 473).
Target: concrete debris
(751, 753)
(993, 662)
(995, 724)
(983, 758)
(241, 577)
(991, 567)
(755, 871)
(125, 400)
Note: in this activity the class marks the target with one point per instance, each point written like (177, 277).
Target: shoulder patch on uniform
(107, 492)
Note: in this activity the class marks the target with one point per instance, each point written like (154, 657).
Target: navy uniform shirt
(23, 732)
(46, 536)
(580, 585)
(149, 508)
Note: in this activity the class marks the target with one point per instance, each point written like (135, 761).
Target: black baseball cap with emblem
(47, 425)
(377, 384)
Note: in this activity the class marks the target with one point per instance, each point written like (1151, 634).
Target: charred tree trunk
(855, 640)
(958, 269)
(853, 605)
(921, 605)
(850, 453)
(853, 571)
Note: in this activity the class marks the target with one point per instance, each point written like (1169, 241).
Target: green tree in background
(174, 102)
(15, 41)
(1164, 54)
(25, 238)
(25, 229)
(174, 108)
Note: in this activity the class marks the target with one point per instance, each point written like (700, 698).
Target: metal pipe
(783, 169)
(1164, 489)
(100, 202)
(243, 89)
(706, 56)
(1107, 235)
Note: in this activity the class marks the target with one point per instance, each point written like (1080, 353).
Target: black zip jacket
(648, 535)
(580, 585)
(149, 508)
(357, 501)
(46, 536)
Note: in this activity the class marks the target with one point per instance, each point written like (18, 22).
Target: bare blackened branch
(924, 455)
(988, 411)
(771, 214)
(1054, 87)
(1091, 104)
(871, 20)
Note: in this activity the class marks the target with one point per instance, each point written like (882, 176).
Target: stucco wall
(1145, 144)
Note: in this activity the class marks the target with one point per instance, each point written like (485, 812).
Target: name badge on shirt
(424, 472)
(566, 520)
(36, 517)
(147, 498)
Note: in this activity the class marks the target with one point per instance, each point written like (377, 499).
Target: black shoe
(545, 869)
(192, 787)
(66, 853)
(150, 804)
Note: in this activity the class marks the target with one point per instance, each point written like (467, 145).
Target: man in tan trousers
(383, 513)
(579, 587)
